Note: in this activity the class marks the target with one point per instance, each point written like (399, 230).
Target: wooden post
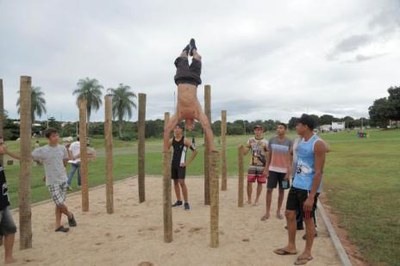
(109, 154)
(83, 154)
(207, 111)
(167, 208)
(2, 116)
(241, 176)
(141, 146)
(224, 174)
(24, 195)
(214, 208)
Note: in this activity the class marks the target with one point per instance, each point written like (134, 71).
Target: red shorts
(256, 173)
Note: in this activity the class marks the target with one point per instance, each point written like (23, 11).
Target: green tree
(38, 103)
(91, 90)
(379, 112)
(123, 103)
(394, 103)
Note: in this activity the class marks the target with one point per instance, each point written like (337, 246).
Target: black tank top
(4, 202)
(179, 152)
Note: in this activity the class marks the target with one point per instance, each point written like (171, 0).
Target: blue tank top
(305, 170)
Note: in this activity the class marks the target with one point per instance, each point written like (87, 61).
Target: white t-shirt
(53, 160)
(75, 149)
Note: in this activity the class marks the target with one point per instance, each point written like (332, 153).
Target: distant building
(325, 128)
(338, 126)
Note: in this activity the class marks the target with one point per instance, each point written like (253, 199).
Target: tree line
(381, 112)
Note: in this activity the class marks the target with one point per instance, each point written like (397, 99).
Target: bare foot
(265, 217)
(255, 203)
(279, 216)
(9, 260)
(249, 202)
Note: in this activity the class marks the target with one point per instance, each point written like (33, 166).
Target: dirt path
(134, 233)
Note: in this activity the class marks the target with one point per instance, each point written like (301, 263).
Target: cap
(258, 126)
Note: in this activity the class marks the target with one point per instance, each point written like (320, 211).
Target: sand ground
(134, 233)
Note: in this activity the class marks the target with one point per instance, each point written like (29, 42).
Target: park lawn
(361, 180)
(362, 183)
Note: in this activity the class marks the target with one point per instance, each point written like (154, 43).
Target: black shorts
(178, 172)
(275, 178)
(186, 73)
(296, 199)
(7, 225)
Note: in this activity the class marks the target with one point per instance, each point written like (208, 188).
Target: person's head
(281, 129)
(52, 135)
(305, 124)
(178, 130)
(189, 124)
(258, 130)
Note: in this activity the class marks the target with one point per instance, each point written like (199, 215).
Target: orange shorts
(256, 173)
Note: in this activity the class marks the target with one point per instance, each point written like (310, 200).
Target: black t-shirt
(4, 202)
(179, 152)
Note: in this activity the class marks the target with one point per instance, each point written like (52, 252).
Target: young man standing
(278, 168)
(311, 152)
(178, 165)
(55, 158)
(259, 148)
(7, 225)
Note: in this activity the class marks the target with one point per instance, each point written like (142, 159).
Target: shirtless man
(188, 108)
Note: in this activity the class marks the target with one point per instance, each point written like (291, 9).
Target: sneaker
(62, 229)
(192, 45)
(187, 206)
(177, 203)
(72, 221)
(187, 49)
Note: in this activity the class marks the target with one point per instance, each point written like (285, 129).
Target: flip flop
(302, 261)
(62, 229)
(284, 252)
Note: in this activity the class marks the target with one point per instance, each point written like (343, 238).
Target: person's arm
(319, 160)
(66, 157)
(246, 148)
(189, 145)
(289, 159)
(269, 158)
(169, 144)
(11, 154)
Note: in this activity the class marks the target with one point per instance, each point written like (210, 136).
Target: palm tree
(89, 89)
(122, 104)
(38, 103)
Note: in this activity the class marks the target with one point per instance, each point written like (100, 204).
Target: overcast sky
(263, 59)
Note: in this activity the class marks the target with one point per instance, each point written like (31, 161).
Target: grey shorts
(7, 225)
(58, 193)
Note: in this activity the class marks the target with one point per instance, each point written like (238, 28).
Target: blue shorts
(7, 225)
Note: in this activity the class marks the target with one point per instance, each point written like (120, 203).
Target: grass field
(362, 182)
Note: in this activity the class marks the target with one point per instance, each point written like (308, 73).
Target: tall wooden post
(24, 195)
(214, 199)
(83, 154)
(2, 116)
(241, 176)
(141, 146)
(207, 111)
(224, 179)
(109, 154)
(167, 208)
